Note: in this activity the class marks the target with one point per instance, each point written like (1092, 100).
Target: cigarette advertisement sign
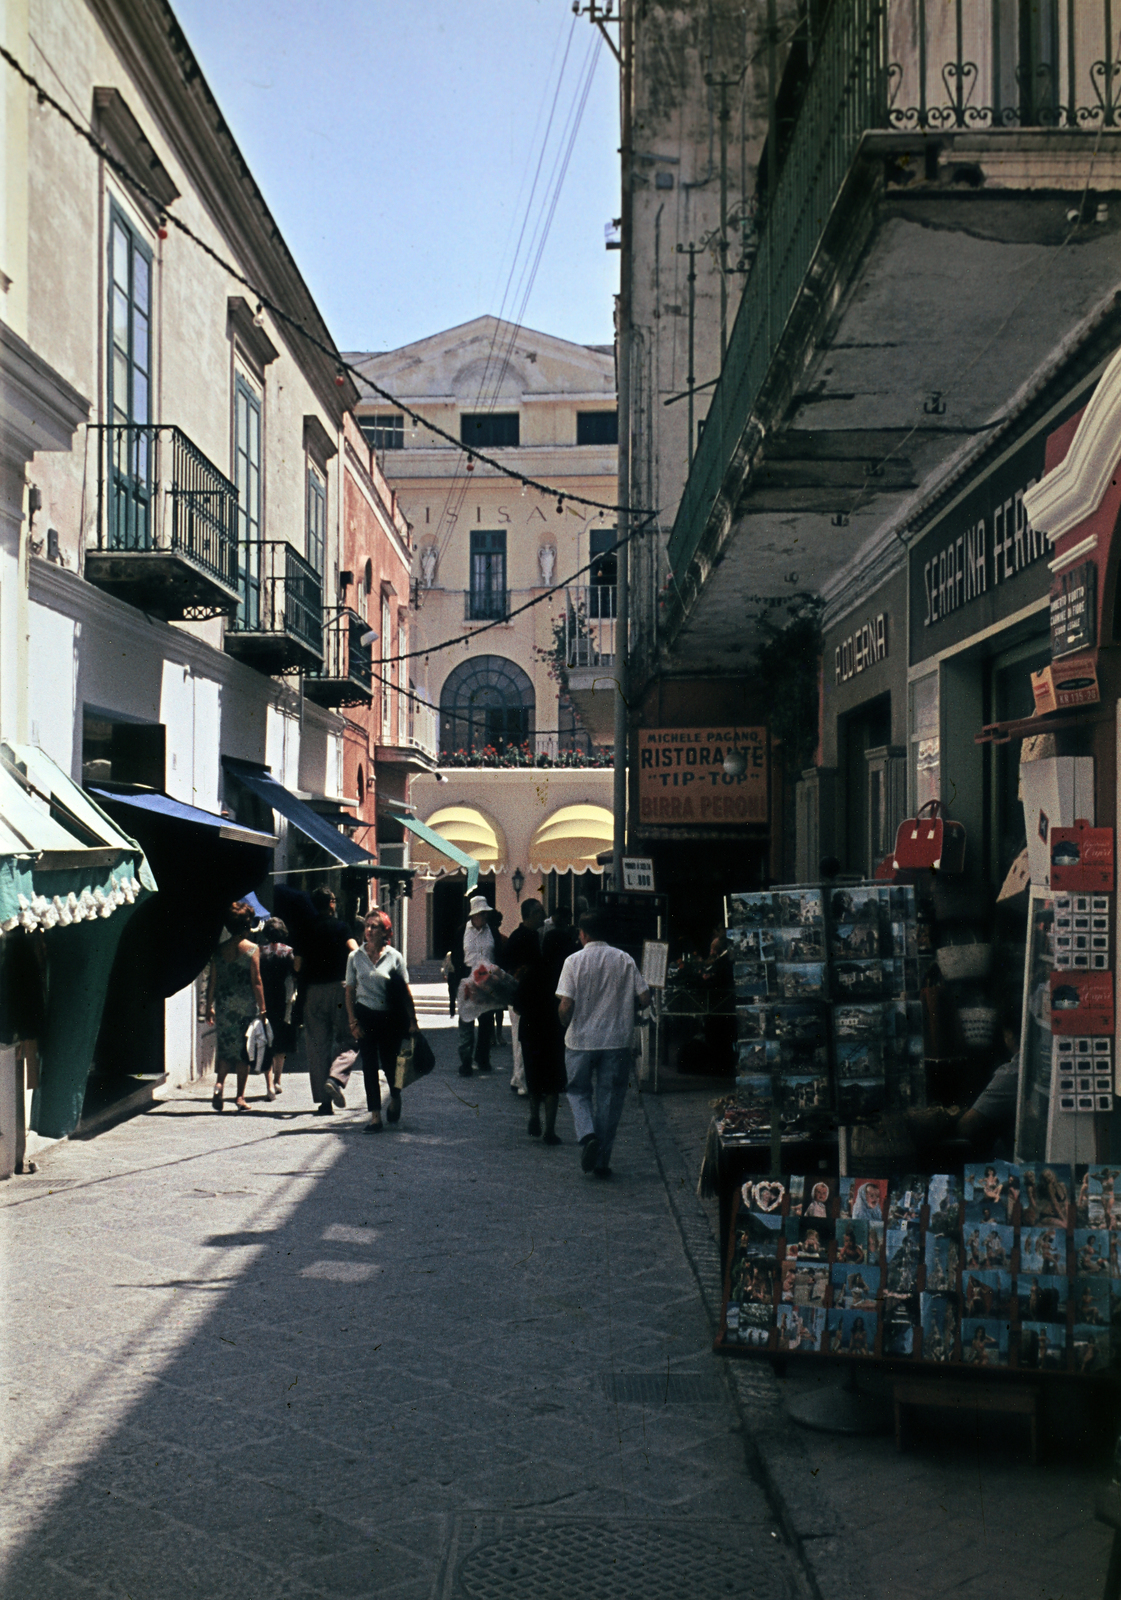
(702, 777)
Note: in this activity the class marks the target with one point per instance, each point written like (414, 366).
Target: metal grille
(662, 1388)
(604, 1561)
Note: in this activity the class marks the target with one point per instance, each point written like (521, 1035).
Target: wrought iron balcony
(279, 623)
(486, 605)
(345, 677)
(424, 727)
(589, 625)
(166, 535)
(899, 66)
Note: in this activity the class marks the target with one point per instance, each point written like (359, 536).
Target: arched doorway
(486, 702)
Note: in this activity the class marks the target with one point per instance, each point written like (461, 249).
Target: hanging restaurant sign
(702, 776)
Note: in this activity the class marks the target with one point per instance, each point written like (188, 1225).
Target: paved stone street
(269, 1355)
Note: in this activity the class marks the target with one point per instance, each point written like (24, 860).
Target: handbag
(930, 840)
(414, 1060)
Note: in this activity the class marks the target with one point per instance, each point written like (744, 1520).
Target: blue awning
(164, 806)
(315, 827)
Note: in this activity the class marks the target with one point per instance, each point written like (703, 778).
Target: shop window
(924, 781)
(132, 753)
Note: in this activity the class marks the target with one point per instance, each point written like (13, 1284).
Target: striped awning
(571, 838)
(470, 832)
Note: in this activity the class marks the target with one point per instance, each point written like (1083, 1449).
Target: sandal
(243, 1105)
(216, 1098)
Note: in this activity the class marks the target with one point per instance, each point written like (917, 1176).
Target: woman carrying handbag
(380, 1010)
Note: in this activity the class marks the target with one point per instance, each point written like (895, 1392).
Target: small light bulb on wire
(560, 505)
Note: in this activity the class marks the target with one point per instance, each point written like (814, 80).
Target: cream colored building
(537, 680)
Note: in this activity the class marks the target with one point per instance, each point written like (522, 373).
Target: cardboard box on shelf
(1082, 859)
(1082, 1002)
(1072, 681)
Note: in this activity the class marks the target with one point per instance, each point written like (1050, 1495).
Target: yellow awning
(571, 839)
(470, 831)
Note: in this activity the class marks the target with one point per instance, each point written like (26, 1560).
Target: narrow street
(268, 1355)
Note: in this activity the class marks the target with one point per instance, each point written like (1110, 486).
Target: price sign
(638, 874)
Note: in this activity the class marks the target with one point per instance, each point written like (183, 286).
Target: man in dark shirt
(321, 966)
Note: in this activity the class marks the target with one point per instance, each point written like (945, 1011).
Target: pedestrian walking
(523, 958)
(235, 997)
(278, 980)
(477, 940)
(380, 1010)
(321, 973)
(597, 992)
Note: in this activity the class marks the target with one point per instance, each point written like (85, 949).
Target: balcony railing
(346, 676)
(589, 625)
(279, 621)
(424, 728)
(902, 65)
(166, 535)
(486, 605)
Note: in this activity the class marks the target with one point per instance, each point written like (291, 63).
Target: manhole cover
(590, 1561)
(663, 1388)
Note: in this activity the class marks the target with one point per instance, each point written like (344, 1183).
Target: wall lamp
(370, 635)
(517, 878)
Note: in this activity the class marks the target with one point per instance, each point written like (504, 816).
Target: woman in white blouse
(380, 1009)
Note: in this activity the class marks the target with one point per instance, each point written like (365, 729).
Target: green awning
(445, 847)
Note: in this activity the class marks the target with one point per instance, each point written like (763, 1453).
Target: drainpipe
(619, 842)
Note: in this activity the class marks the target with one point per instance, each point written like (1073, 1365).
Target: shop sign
(982, 560)
(638, 874)
(682, 780)
(861, 649)
(1074, 610)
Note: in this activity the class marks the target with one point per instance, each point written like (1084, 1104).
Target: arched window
(485, 701)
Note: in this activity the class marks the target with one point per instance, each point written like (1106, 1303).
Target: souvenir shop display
(1009, 1266)
(828, 1021)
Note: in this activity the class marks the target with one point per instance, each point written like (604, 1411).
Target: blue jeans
(603, 1073)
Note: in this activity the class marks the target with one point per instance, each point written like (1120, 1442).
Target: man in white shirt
(597, 991)
(476, 941)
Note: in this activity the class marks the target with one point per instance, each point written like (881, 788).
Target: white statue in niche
(429, 561)
(547, 564)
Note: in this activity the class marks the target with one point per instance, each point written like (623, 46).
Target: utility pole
(690, 250)
(723, 84)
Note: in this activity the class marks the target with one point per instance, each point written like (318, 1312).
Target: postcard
(1091, 1252)
(795, 1194)
(1042, 1297)
(805, 942)
(939, 1327)
(804, 980)
(763, 1196)
(903, 940)
(754, 1091)
(755, 1280)
(815, 1235)
(854, 1288)
(803, 1093)
(756, 909)
(860, 980)
(800, 1327)
(801, 1024)
(980, 1213)
(995, 1183)
(860, 1058)
(1046, 1195)
(858, 1098)
(815, 1196)
(987, 1294)
(743, 942)
(757, 1055)
(942, 1261)
(899, 1321)
(1091, 1301)
(901, 1271)
(943, 1195)
(984, 1342)
(906, 1198)
(851, 1333)
(855, 941)
(800, 908)
(805, 1283)
(755, 1022)
(852, 1242)
(858, 1021)
(869, 903)
(989, 1246)
(1095, 1206)
(1090, 1348)
(1043, 1250)
(863, 1199)
(1043, 1346)
(752, 980)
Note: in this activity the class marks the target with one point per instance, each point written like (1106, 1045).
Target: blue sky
(396, 145)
